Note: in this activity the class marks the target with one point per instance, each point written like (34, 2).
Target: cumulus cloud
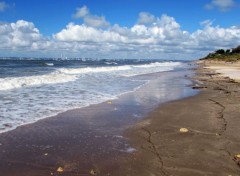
(222, 5)
(83, 33)
(89, 19)
(3, 6)
(20, 35)
(217, 36)
(158, 38)
(163, 35)
(164, 29)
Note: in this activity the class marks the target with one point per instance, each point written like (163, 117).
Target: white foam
(151, 68)
(64, 75)
(94, 69)
(19, 82)
(118, 68)
(130, 150)
(49, 64)
(111, 63)
(158, 64)
(39, 97)
(32, 107)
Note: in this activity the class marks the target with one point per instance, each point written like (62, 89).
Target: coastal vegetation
(229, 55)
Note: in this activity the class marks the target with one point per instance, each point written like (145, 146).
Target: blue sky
(165, 29)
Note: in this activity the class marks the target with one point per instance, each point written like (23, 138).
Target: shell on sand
(60, 169)
(183, 130)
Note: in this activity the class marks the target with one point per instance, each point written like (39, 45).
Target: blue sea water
(32, 89)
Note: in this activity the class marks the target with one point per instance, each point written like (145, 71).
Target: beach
(119, 88)
(138, 133)
(89, 140)
(211, 144)
(227, 69)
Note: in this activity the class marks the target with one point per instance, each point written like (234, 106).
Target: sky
(127, 29)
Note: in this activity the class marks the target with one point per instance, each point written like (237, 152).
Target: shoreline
(153, 145)
(210, 146)
(12, 127)
(78, 140)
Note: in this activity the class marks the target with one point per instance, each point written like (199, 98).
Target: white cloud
(3, 6)
(89, 19)
(206, 22)
(96, 21)
(162, 38)
(222, 5)
(145, 18)
(81, 12)
(216, 36)
(83, 33)
(162, 31)
(20, 35)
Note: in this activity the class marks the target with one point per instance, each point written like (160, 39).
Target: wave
(111, 63)
(49, 64)
(64, 75)
(116, 68)
(19, 82)
(157, 64)
(93, 69)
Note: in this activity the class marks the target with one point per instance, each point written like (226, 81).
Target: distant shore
(198, 136)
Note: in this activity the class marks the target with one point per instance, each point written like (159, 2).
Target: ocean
(33, 89)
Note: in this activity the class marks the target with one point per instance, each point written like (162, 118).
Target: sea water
(33, 89)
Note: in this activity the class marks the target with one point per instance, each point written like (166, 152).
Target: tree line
(228, 54)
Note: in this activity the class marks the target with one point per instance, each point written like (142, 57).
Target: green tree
(220, 51)
(236, 50)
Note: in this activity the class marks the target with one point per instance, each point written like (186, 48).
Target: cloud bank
(151, 37)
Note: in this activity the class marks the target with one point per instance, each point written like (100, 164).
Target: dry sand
(227, 69)
(211, 143)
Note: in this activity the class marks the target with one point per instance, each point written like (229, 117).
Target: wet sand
(208, 148)
(87, 141)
